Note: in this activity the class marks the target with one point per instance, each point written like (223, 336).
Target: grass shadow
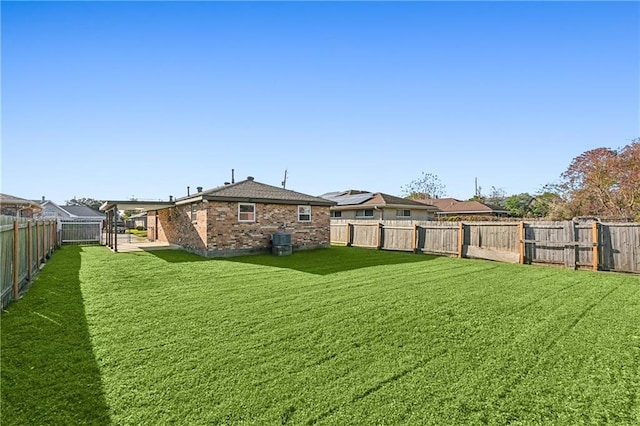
(49, 372)
(177, 256)
(333, 259)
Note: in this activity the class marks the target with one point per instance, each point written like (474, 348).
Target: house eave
(442, 213)
(261, 200)
(383, 206)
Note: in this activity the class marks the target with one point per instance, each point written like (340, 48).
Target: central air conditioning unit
(281, 244)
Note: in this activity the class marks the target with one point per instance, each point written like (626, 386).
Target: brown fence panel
(494, 235)
(364, 234)
(574, 244)
(339, 233)
(584, 248)
(397, 238)
(438, 238)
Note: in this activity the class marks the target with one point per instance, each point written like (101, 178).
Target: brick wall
(176, 226)
(217, 231)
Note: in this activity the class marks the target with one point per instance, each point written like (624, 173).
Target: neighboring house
(240, 218)
(354, 204)
(83, 213)
(451, 207)
(51, 210)
(10, 205)
(138, 220)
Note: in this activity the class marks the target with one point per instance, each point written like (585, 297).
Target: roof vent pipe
(249, 177)
(199, 189)
(171, 198)
(233, 179)
(188, 191)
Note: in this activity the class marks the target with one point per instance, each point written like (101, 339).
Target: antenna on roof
(284, 182)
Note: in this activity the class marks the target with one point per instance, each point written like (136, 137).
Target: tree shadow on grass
(49, 371)
(333, 259)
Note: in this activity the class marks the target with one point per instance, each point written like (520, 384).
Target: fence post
(379, 236)
(596, 242)
(414, 239)
(29, 250)
(16, 261)
(37, 245)
(349, 239)
(521, 236)
(44, 244)
(460, 239)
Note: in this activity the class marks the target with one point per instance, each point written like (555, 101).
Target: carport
(111, 209)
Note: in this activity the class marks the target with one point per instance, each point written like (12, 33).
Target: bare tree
(427, 186)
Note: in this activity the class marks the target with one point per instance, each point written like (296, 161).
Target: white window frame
(336, 213)
(304, 211)
(194, 212)
(363, 213)
(253, 219)
(401, 213)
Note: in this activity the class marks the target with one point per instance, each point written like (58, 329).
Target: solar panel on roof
(353, 199)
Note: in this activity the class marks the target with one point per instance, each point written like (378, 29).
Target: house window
(403, 213)
(336, 214)
(304, 213)
(246, 212)
(49, 213)
(194, 212)
(364, 213)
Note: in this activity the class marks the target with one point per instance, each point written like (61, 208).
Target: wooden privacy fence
(25, 245)
(574, 244)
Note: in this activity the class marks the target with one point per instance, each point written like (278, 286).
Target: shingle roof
(385, 199)
(251, 191)
(83, 211)
(452, 205)
(12, 199)
(347, 199)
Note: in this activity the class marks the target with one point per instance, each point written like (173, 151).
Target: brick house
(240, 218)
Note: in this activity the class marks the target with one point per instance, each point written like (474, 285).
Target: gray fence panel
(620, 249)
(79, 231)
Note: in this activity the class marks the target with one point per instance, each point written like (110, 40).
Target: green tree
(519, 205)
(89, 202)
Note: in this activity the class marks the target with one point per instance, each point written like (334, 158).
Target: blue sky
(111, 100)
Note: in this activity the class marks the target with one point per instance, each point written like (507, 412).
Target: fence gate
(80, 231)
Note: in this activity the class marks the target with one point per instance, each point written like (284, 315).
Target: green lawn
(341, 336)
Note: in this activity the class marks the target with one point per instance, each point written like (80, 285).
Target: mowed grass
(341, 336)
